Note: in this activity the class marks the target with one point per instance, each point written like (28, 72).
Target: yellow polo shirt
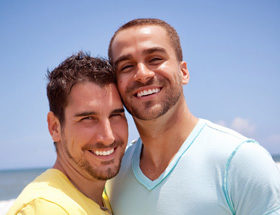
(53, 193)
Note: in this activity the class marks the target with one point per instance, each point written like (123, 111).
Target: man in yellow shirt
(89, 129)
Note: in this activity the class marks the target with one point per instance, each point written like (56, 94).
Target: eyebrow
(146, 51)
(88, 113)
(120, 110)
(122, 58)
(85, 114)
(155, 49)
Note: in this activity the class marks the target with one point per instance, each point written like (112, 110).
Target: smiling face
(149, 75)
(94, 135)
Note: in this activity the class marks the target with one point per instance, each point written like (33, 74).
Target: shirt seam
(225, 179)
(40, 198)
(232, 134)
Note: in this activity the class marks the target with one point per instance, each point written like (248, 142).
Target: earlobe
(54, 127)
(185, 72)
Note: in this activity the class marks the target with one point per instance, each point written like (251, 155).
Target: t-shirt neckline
(151, 184)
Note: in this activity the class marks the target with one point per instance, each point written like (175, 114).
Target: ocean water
(13, 181)
(276, 158)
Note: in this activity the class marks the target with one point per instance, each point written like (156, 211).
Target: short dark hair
(171, 32)
(75, 69)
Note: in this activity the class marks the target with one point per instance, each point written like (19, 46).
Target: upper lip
(100, 147)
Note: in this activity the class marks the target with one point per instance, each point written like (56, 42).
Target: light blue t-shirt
(215, 172)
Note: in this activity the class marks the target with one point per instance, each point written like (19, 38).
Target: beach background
(232, 50)
(12, 182)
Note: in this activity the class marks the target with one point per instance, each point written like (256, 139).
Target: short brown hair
(75, 69)
(171, 32)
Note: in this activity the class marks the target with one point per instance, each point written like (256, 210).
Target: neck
(89, 186)
(163, 137)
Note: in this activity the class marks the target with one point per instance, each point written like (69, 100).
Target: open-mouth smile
(147, 92)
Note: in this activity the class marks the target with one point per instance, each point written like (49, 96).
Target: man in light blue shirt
(181, 164)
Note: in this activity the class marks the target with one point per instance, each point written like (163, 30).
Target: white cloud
(243, 126)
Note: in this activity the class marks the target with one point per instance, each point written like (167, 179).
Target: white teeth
(147, 92)
(104, 153)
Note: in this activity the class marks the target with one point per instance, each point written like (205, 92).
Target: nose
(143, 74)
(105, 134)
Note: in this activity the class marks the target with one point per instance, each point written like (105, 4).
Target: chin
(109, 173)
(106, 176)
(148, 115)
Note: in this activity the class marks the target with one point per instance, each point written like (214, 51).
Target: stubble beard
(98, 173)
(151, 110)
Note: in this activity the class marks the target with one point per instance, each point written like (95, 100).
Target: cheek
(81, 135)
(124, 79)
(119, 82)
(170, 66)
(121, 87)
(125, 131)
(121, 130)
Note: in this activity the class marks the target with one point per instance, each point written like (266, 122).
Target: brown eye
(117, 115)
(87, 118)
(155, 60)
(126, 67)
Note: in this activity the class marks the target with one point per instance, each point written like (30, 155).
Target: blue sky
(232, 49)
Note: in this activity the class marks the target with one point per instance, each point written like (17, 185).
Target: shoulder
(50, 189)
(218, 143)
(38, 206)
(221, 133)
(250, 158)
(239, 151)
(252, 179)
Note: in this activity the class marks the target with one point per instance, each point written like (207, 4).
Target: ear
(185, 72)
(54, 127)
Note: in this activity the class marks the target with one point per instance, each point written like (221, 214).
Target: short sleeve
(253, 181)
(42, 207)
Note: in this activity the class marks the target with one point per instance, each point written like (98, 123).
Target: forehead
(138, 38)
(88, 96)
